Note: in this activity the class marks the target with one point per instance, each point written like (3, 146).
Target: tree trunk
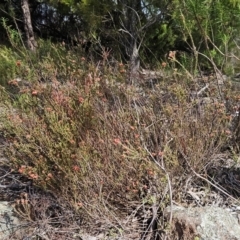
(134, 62)
(130, 10)
(31, 42)
(134, 9)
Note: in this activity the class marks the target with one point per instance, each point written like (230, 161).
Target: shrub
(104, 145)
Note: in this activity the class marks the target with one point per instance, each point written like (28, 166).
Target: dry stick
(111, 214)
(202, 89)
(219, 51)
(168, 179)
(154, 209)
(205, 179)
(214, 185)
(216, 71)
(8, 173)
(201, 177)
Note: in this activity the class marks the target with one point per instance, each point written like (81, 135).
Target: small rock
(205, 223)
(8, 222)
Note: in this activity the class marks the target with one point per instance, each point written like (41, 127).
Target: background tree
(137, 32)
(207, 29)
(30, 38)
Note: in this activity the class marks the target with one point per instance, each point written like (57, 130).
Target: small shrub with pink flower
(79, 133)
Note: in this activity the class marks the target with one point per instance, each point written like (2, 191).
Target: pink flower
(76, 168)
(117, 141)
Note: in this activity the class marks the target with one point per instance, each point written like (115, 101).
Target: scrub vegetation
(124, 118)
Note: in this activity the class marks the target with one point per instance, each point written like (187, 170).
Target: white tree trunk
(30, 39)
(134, 63)
(133, 8)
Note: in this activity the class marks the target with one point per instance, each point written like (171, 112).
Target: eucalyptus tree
(30, 38)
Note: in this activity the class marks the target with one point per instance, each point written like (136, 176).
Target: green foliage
(8, 65)
(158, 41)
(235, 3)
(208, 28)
(13, 35)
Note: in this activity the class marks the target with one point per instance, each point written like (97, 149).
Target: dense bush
(81, 132)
